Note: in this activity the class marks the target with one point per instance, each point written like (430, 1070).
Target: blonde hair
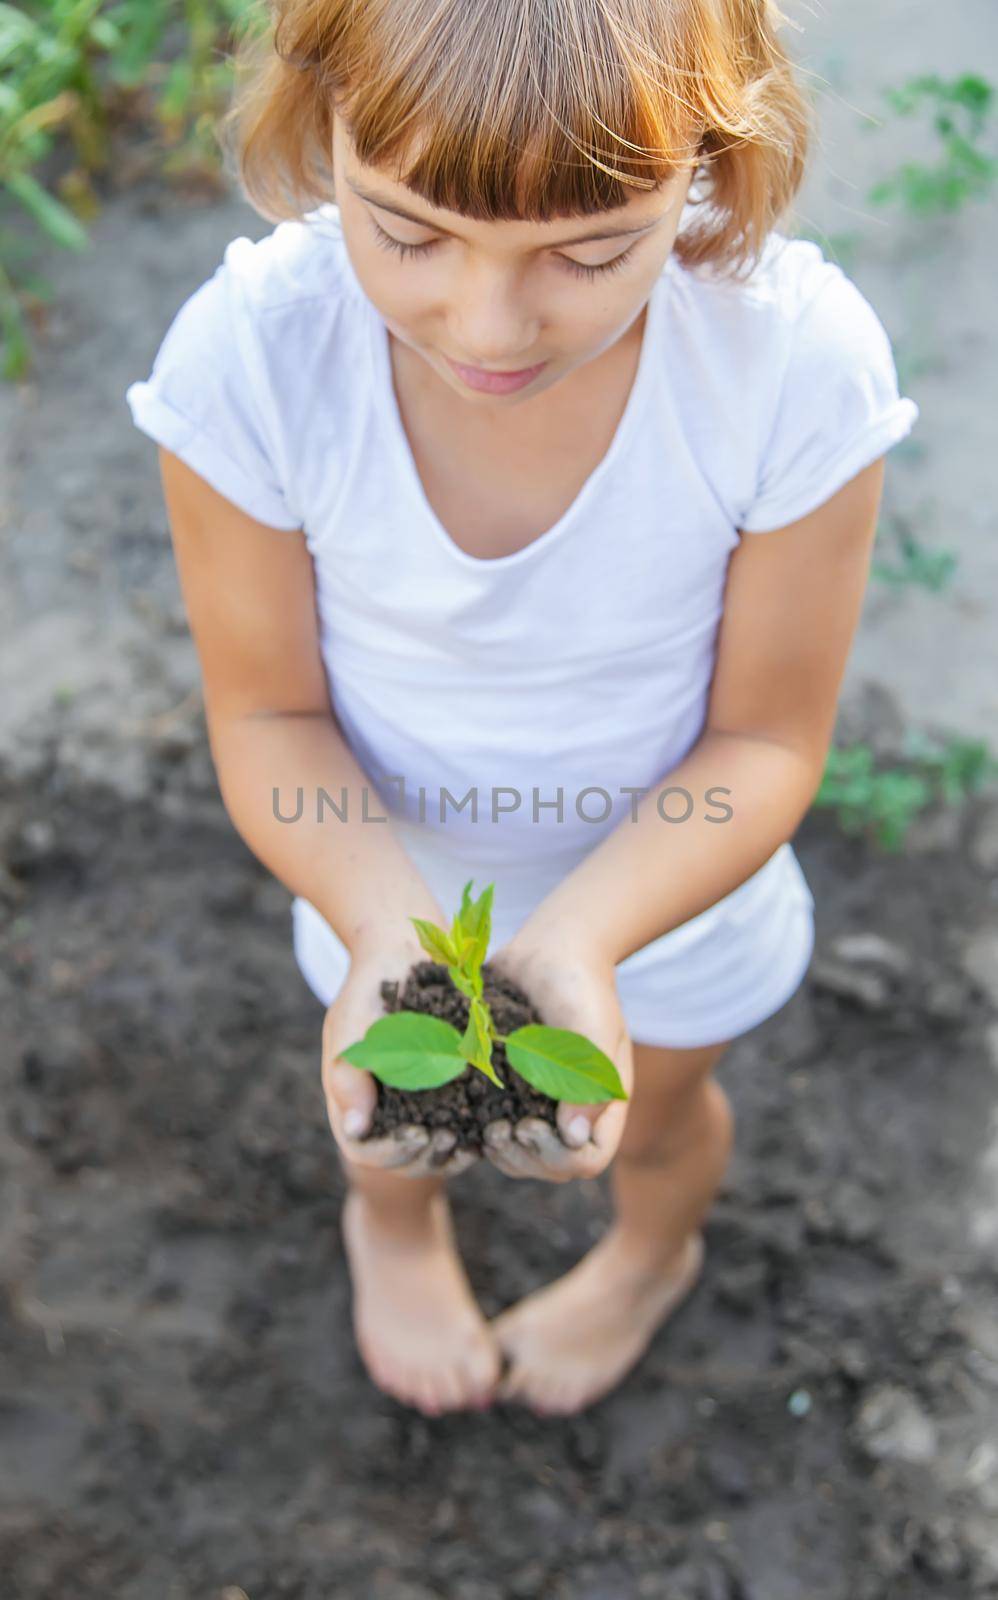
(528, 109)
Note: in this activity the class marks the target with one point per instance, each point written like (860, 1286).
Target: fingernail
(354, 1123)
(577, 1132)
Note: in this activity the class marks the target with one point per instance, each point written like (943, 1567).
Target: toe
(546, 1398)
(541, 1394)
(425, 1397)
(406, 1389)
(479, 1375)
(450, 1390)
(427, 1389)
(571, 1397)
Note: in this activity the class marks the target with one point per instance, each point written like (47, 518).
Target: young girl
(525, 463)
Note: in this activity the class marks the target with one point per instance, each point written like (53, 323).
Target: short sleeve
(208, 400)
(838, 408)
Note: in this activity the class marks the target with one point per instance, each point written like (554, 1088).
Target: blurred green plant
(958, 766)
(961, 112)
(883, 804)
(68, 70)
(918, 564)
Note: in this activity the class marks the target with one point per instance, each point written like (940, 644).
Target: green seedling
(924, 568)
(918, 563)
(885, 803)
(961, 112)
(409, 1050)
(70, 72)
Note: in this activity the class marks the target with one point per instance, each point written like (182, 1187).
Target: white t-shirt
(581, 663)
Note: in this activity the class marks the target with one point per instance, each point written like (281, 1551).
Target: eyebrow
(423, 222)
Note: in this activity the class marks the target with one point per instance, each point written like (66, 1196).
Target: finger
(426, 1167)
(551, 1159)
(460, 1161)
(439, 1157)
(497, 1136)
(547, 1155)
(607, 1130)
(503, 1164)
(503, 1152)
(442, 1142)
(354, 1094)
(575, 1122)
(538, 1136)
(398, 1150)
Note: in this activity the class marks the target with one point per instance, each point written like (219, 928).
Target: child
(525, 459)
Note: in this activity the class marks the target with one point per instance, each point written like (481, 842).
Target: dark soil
(468, 1103)
(183, 1415)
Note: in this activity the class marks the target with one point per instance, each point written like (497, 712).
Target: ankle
(650, 1255)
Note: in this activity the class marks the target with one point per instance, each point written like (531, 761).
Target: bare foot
(420, 1332)
(573, 1341)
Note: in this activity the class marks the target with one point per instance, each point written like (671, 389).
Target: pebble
(891, 1425)
(871, 949)
(868, 990)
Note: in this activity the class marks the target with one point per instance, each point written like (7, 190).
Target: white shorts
(704, 982)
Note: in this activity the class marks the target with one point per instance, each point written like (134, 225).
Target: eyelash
(387, 242)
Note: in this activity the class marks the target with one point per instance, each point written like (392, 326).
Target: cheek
(603, 314)
(389, 289)
(405, 289)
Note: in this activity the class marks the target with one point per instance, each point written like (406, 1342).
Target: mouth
(489, 381)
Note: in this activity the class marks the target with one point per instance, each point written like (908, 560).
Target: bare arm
(250, 599)
(792, 605)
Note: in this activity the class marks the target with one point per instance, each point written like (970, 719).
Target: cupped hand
(572, 988)
(351, 1093)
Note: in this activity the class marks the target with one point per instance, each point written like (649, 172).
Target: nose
(493, 325)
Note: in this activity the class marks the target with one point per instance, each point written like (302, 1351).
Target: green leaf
(477, 1041)
(476, 919)
(56, 219)
(435, 941)
(468, 986)
(463, 945)
(409, 1050)
(563, 1064)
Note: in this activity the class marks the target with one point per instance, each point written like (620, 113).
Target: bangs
(491, 111)
(528, 110)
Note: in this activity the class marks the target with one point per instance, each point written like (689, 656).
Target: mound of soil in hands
(469, 1103)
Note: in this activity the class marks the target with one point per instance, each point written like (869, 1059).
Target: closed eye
(594, 272)
(387, 241)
